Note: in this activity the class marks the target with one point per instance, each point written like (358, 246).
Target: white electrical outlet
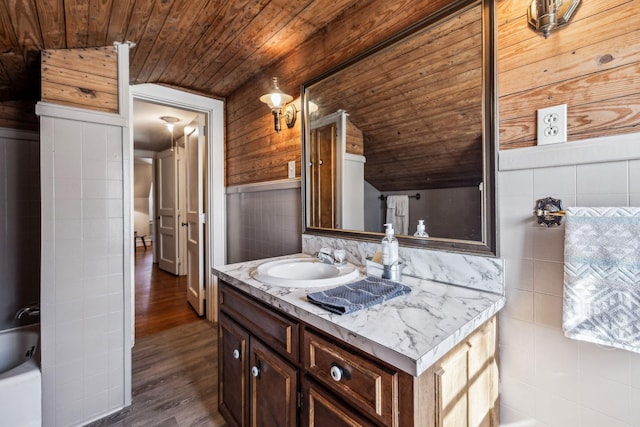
(552, 125)
(292, 169)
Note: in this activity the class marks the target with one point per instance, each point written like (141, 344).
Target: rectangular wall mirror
(405, 133)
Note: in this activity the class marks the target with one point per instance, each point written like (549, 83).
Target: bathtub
(20, 378)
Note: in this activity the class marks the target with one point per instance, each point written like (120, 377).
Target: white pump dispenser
(420, 229)
(389, 253)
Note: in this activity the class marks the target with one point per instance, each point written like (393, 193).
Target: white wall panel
(82, 291)
(547, 379)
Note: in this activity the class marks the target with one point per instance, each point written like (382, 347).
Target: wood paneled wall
(83, 78)
(592, 65)
(355, 139)
(19, 115)
(254, 152)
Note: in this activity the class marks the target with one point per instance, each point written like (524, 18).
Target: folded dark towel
(358, 295)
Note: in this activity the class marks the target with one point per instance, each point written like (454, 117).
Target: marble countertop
(410, 332)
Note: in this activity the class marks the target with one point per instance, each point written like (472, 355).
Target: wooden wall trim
(595, 150)
(79, 114)
(282, 184)
(10, 133)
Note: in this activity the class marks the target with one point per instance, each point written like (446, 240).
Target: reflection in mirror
(405, 133)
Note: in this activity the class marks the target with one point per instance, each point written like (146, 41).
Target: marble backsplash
(471, 271)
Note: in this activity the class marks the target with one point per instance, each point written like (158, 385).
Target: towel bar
(416, 196)
(549, 211)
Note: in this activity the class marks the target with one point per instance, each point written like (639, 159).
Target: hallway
(161, 298)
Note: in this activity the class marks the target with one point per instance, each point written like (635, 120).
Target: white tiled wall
(546, 379)
(82, 291)
(263, 224)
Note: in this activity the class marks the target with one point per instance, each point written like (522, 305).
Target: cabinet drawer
(361, 382)
(280, 332)
(323, 409)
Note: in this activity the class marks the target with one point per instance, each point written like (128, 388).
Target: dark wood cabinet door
(232, 370)
(321, 409)
(274, 389)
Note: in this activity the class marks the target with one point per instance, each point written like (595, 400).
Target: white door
(194, 147)
(168, 211)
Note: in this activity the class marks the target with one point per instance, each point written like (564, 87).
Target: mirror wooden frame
(488, 246)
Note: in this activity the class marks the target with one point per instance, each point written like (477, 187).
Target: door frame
(215, 216)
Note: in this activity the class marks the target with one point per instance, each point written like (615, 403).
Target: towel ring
(549, 211)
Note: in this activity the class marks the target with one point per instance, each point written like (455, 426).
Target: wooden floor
(161, 298)
(174, 360)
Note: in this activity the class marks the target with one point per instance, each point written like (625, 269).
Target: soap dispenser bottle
(390, 255)
(420, 229)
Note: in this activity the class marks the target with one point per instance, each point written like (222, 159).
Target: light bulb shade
(170, 122)
(276, 98)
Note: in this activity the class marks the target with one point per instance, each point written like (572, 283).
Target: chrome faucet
(325, 257)
(338, 257)
(32, 310)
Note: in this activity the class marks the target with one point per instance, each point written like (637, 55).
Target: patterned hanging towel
(602, 276)
(358, 295)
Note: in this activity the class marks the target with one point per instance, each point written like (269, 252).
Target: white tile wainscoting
(548, 380)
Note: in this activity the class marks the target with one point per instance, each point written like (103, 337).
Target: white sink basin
(304, 273)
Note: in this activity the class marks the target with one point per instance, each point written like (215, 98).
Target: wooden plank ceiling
(214, 47)
(418, 104)
(208, 46)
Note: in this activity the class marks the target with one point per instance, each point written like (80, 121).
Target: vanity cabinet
(466, 382)
(460, 390)
(305, 377)
(323, 409)
(258, 384)
(359, 381)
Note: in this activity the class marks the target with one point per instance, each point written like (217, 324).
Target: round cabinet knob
(336, 373)
(236, 354)
(255, 371)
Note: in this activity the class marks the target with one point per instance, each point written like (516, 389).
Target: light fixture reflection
(292, 109)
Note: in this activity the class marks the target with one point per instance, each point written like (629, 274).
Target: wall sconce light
(291, 111)
(548, 15)
(290, 115)
(276, 100)
(170, 123)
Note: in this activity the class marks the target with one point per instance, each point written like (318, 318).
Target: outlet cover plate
(291, 169)
(552, 125)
